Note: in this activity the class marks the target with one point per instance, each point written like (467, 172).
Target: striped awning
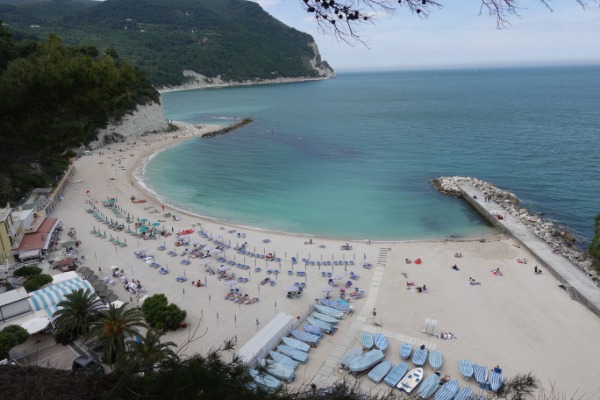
(47, 298)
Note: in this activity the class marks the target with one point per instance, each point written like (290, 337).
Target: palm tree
(146, 354)
(112, 327)
(76, 313)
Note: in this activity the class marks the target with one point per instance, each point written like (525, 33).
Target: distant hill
(229, 40)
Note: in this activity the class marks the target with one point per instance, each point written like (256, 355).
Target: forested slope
(235, 39)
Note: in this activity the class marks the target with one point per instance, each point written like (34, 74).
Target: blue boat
(329, 311)
(366, 361)
(435, 359)
(265, 380)
(283, 359)
(495, 379)
(296, 354)
(305, 337)
(352, 354)
(327, 327)
(381, 370)
(465, 393)
(411, 380)
(367, 340)
(420, 356)
(466, 368)
(314, 330)
(326, 318)
(295, 343)
(396, 374)
(405, 350)
(429, 385)
(338, 305)
(381, 341)
(480, 373)
(278, 370)
(447, 391)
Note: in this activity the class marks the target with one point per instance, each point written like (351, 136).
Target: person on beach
(455, 267)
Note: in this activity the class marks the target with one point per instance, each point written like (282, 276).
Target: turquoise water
(352, 157)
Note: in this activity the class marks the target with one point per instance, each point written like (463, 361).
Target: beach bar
(266, 339)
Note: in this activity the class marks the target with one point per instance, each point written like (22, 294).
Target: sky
(456, 36)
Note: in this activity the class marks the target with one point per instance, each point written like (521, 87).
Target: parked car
(86, 364)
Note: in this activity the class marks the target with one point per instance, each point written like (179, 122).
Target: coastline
(201, 82)
(518, 311)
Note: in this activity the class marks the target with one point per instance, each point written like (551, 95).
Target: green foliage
(76, 312)
(28, 271)
(147, 354)
(112, 328)
(54, 98)
(11, 336)
(34, 282)
(595, 244)
(235, 39)
(160, 314)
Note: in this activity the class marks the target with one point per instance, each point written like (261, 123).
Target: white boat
(411, 380)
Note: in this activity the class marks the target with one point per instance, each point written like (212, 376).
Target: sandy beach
(521, 321)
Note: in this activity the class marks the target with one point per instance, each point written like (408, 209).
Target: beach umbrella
(105, 293)
(99, 286)
(224, 267)
(35, 325)
(338, 277)
(155, 223)
(111, 298)
(328, 288)
(292, 288)
(230, 282)
(143, 220)
(83, 270)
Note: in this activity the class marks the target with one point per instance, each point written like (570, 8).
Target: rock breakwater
(559, 237)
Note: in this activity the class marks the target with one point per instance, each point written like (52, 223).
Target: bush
(35, 282)
(160, 314)
(28, 271)
(11, 336)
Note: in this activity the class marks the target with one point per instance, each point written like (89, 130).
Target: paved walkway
(364, 321)
(578, 285)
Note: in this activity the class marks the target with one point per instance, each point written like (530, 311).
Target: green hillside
(235, 39)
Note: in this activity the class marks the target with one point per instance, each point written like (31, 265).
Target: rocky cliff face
(145, 119)
(322, 67)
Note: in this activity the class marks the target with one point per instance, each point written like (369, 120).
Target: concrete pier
(579, 286)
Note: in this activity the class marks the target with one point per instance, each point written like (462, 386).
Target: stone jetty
(559, 237)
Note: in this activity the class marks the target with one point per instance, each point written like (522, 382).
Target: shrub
(35, 282)
(160, 314)
(28, 271)
(11, 336)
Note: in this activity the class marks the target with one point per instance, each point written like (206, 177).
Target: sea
(353, 157)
